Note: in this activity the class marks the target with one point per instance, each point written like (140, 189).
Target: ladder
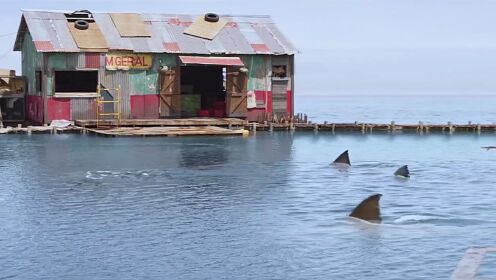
(101, 115)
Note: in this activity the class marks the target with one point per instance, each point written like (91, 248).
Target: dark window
(38, 81)
(279, 71)
(76, 81)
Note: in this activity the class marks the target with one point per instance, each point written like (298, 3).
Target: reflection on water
(204, 155)
(265, 207)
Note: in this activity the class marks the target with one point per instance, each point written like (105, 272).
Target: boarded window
(76, 82)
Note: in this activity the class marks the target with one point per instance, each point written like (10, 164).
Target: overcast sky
(347, 46)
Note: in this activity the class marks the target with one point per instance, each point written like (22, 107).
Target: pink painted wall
(59, 109)
(34, 109)
(144, 106)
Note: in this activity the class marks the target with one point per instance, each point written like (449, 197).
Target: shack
(12, 97)
(154, 66)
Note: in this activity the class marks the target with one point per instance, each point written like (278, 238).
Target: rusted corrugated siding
(83, 108)
(242, 35)
(75, 61)
(114, 79)
(92, 60)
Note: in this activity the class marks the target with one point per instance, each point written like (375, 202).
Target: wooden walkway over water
(169, 131)
(392, 127)
(223, 126)
(164, 122)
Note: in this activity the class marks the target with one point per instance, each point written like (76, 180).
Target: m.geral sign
(128, 61)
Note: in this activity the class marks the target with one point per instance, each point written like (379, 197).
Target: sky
(346, 46)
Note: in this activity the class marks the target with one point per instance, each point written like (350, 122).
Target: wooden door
(236, 90)
(170, 95)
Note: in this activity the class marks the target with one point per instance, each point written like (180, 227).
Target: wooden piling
(450, 128)
(271, 126)
(392, 126)
(254, 127)
(316, 127)
(479, 128)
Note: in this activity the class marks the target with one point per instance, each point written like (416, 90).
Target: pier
(233, 126)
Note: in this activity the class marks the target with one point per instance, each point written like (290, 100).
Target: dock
(420, 128)
(164, 122)
(169, 131)
(234, 126)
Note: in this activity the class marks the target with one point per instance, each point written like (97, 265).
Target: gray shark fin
(402, 171)
(369, 209)
(343, 158)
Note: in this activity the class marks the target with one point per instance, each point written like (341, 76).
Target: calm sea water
(268, 206)
(399, 108)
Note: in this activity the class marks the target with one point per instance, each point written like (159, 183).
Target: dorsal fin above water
(369, 209)
(402, 171)
(343, 158)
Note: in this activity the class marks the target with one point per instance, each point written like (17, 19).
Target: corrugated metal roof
(242, 35)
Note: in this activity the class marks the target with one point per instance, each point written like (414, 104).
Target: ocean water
(411, 109)
(268, 206)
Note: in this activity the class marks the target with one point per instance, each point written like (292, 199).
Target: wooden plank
(204, 29)
(167, 122)
(90, 39)
(130, 25)
(167, 131)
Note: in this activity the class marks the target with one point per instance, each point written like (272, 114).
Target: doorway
(203, 92)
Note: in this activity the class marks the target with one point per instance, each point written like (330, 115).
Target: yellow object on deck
(100, 105)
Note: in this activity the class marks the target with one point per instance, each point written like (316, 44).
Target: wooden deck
(420, 128)
(167, 131)
(166, 122)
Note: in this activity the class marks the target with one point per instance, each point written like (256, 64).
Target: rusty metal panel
(72, 61)
(268, 39)
(241, 35)
(37, 29)
(112, 36)
(57, 61)
(283, 41)
(114, 79)
(234, 41)
(187, 44)
(83, 109)
(63, 38)
(91, 60)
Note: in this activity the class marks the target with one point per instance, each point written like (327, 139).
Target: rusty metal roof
(241, 35)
